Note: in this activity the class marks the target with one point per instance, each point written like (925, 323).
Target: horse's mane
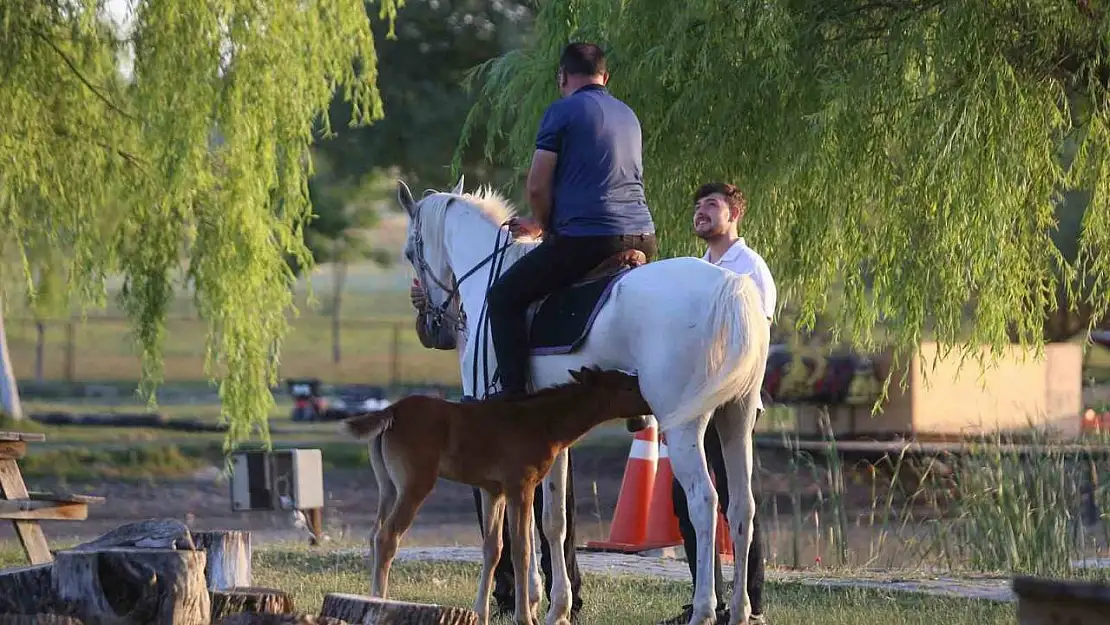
(491, 205)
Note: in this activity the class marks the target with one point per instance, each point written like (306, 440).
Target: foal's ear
(458, 186)
(581, 376)
(404, 196)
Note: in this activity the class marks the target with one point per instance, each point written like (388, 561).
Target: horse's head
(426, 251)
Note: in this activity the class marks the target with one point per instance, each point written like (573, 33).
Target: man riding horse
(586, 190)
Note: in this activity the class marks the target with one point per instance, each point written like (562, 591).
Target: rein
(437, 314)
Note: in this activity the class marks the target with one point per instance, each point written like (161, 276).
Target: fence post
(71, 352)
(395, 356)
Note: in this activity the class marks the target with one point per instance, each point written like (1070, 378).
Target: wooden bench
(25, 509)
(1050, 601)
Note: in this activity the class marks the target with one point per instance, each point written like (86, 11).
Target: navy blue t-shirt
(599, 176)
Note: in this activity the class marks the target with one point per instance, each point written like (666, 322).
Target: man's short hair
(582, 59)
(733, 195)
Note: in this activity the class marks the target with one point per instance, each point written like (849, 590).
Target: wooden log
(256, 600)
(44, 618)
(229, 558)
(132, 586)
(26, 589)
(148, 534)
(1047, 602)
(371, 611)
(255, 618)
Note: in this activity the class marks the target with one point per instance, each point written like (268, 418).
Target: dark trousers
(503, 589)
(556, 263)
(716, 460)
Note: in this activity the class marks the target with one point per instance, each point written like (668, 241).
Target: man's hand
(417, 296)
(525, 227)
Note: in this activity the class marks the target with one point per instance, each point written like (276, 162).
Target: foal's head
(612, 392)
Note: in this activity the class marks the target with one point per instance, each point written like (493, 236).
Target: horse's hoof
(635, 424)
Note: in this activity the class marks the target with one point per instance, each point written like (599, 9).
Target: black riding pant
(714, 455)
(503, 588)
(556, 263)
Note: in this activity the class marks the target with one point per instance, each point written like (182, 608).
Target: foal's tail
(368, 425)
(737, 348)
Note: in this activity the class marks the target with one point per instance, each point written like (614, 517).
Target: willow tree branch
(81, 77)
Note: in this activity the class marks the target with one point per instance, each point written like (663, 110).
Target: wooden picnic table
(25, 509)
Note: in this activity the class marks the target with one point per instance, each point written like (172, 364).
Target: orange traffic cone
(662, 524)
(629, 526)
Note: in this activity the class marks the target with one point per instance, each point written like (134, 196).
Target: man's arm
(541, 179)
(541, 176)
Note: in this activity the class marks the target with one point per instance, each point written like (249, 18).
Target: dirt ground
(448, 516)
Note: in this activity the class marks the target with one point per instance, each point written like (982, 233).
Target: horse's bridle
(438, 314)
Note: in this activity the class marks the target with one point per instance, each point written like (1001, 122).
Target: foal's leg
(685, 445)
(734, 424)
(520, 527)
(387, 493)
(493, 515)
(555, 528)
(414, 488)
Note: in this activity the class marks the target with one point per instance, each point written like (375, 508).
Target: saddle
(625, 259)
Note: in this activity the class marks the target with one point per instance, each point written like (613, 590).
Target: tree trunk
(253, 600)
(229, 559)
(258, 618)
(370, 611)
(339, 269)
(40, 351)
(26, 589)
(149, 534)
(133, 586)
(9, 391)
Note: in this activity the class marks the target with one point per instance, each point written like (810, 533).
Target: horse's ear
(576, 375)
(458, 186)
(404, 196)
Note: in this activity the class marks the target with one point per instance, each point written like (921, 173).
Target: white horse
(694, 334)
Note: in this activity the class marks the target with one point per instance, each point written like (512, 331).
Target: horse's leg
(555, 528)
(493, 515)
(686, 447)
(734, 425)
(520, 527)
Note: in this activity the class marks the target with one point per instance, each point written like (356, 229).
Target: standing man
(718, 210)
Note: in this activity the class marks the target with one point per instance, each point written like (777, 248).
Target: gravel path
(989, 588)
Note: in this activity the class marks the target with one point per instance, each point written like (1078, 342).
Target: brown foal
(503, 446)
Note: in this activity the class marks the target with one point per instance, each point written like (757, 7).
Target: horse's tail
(737, 348)
(368, 425)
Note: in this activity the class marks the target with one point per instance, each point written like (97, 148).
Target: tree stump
(38, 619)
(133, 586)
(26, 590)
(255, 600)
(229, 558)
(256, 618)
(149, 534)
(370, 611)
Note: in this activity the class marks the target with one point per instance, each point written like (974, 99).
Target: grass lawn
(309, 575)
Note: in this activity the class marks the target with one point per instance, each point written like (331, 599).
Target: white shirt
(739, 258)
